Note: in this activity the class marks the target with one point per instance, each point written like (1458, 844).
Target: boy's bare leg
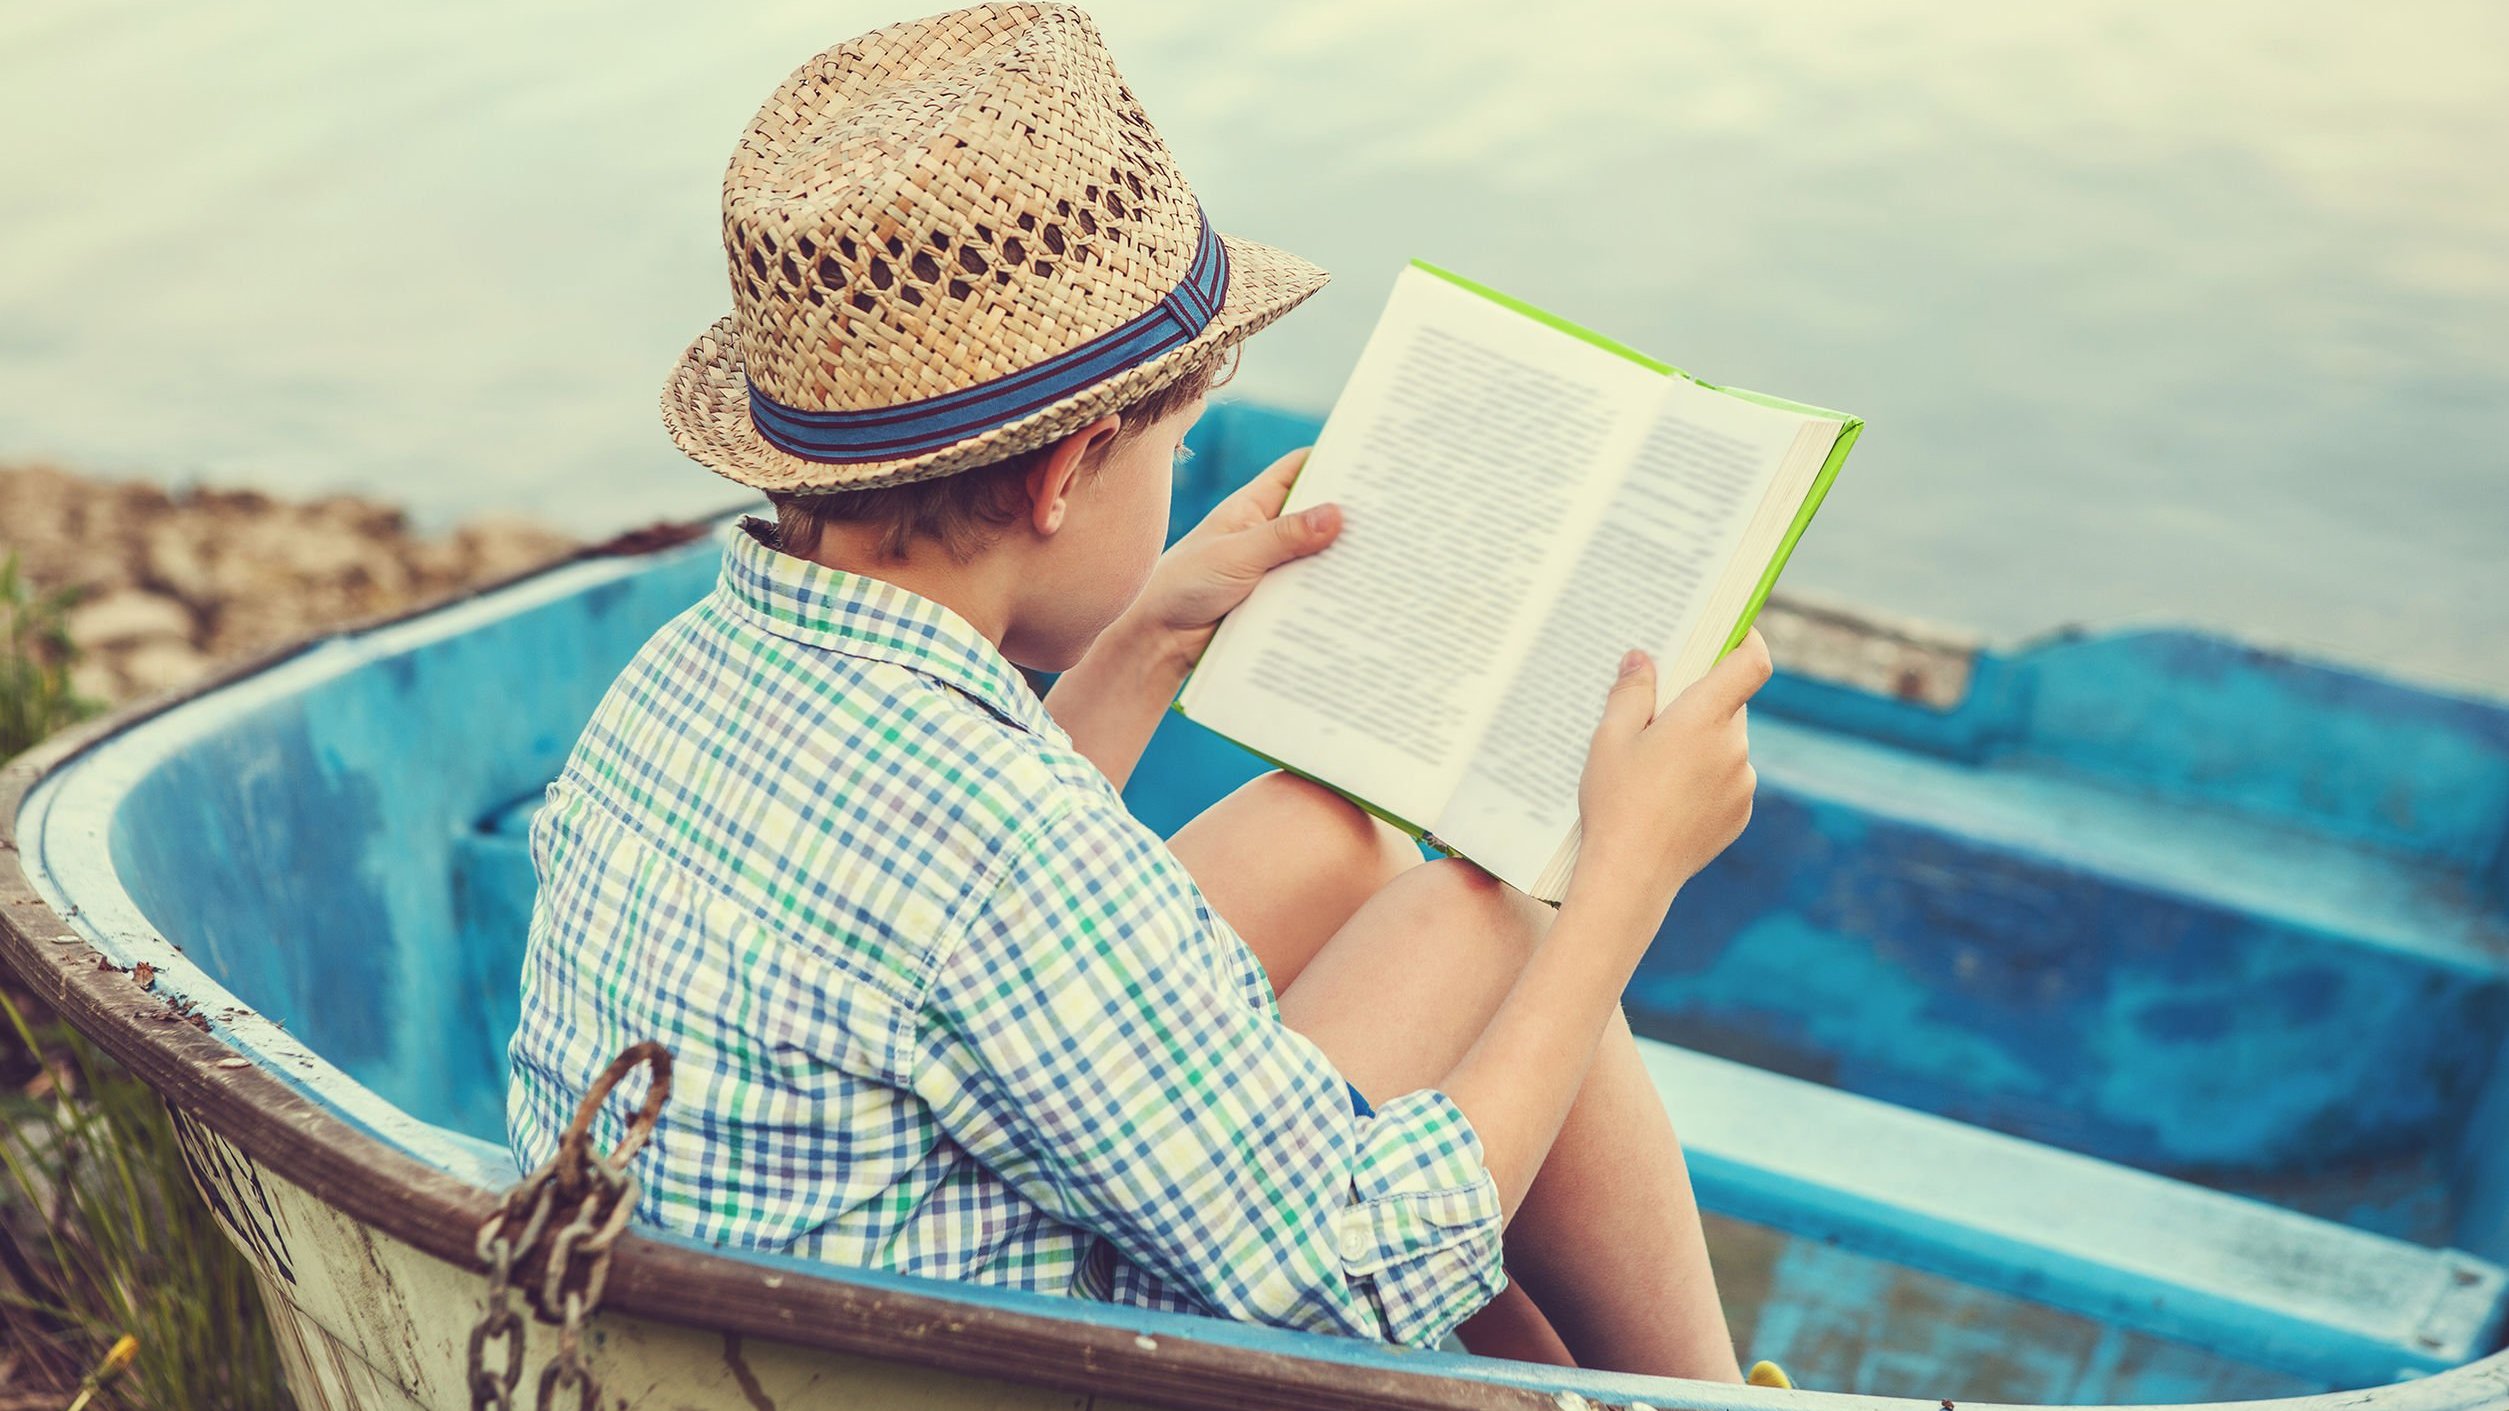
(1288, 863)
(1394, 968)
(1510, 1326)
(1608, 1241)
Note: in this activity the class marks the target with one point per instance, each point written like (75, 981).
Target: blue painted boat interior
(2135, 1030)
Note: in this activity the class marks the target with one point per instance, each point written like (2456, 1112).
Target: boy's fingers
(1269, 490)
(1757, 663)
(1291, 536)
(1734, 680)
(1631, 704)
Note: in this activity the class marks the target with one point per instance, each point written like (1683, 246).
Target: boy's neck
(981, 590)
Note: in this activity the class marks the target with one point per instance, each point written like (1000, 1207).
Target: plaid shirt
(939, 1003)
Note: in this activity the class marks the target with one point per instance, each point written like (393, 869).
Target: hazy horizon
(2157, 312)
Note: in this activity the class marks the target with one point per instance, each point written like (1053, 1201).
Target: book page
(1670, 539)
(1467, 453)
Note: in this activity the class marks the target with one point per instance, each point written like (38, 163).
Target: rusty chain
(552, 1236)
(499, 1322)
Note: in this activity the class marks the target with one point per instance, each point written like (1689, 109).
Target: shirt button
(1357, 1244)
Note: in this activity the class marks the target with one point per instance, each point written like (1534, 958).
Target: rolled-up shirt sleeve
(1085, 1040)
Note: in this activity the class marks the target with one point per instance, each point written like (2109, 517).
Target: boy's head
(1072, 527)
(958, 243)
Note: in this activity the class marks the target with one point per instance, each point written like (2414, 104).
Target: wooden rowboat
(2120, 1019)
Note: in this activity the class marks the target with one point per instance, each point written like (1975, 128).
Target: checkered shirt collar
(836, 611)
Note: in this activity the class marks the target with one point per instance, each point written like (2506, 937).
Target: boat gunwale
(1118, 1352)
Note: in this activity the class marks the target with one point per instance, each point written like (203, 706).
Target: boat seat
(2239, 864)
(2254, 1281)
(2184, 989)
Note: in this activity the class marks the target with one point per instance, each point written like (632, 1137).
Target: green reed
(102, 1237)
(35, 657)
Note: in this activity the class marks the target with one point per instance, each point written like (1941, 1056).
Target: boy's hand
(1212, 569)
(1663, 794)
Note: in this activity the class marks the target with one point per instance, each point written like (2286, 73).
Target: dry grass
(101, 1234)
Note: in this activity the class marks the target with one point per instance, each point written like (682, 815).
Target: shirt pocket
(818, 1013)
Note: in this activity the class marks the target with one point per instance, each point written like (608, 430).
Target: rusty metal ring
(556, 1374)
(621, 1212)
(540, 1186)
(586, 1241)
(598, 1246)
(495, 1251)
(543, 1203)
(486, 1395)
(496, 1390)
(571, 1157)
(553, 1275)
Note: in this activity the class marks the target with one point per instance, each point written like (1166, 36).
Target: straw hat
(953, 240)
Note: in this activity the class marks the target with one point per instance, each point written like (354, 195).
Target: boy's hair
(963, 511)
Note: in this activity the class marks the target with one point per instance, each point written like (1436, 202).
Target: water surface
(2159, 312)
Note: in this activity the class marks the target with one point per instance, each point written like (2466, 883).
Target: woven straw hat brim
(705, 404)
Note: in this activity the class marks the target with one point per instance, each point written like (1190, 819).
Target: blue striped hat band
(912, 429)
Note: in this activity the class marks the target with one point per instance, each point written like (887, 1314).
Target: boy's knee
(1474, 918)
(1373, 851)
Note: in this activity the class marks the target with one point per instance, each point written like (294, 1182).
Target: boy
(939, 1003)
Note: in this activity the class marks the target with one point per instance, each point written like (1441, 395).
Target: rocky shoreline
(171, 583)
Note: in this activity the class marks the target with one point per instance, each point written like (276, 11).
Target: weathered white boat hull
(365, 1322)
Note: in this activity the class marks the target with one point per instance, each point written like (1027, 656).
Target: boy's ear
(1051, 479)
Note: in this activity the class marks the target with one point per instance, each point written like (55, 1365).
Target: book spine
(1847, 434)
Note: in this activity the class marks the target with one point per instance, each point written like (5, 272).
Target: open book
(1523, 501)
